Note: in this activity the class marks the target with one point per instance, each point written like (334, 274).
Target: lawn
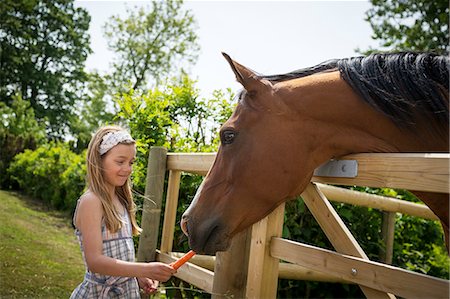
(39, 254)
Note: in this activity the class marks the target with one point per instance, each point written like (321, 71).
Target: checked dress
(117, 245)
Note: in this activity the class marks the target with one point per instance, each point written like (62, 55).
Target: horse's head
(282, 129)
(257, 166)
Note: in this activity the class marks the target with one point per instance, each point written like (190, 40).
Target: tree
(44, 45)
(416, 25)
(174, 116)
(150, 44)
(95, 109)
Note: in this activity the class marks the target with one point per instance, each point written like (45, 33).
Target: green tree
(149, 45)
(416, 25)
(95, 109)
(175, 116)
(44, 45)
(196, 120)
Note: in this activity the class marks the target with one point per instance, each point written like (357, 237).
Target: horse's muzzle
(207, 237)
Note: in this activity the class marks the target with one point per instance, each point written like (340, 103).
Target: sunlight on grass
(39, 255)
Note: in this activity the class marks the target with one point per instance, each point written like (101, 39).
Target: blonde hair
(96, 184)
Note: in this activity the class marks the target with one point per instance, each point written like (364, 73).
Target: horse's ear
(245, 76)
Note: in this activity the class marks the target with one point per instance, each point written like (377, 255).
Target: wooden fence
(238, 274)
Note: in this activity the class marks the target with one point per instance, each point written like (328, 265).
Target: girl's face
(117, 164)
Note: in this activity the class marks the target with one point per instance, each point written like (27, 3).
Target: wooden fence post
(170, 214)
(388, 232)
(230, 270)
(262, 277)
(151, 212)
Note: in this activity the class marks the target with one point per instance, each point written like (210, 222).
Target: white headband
(112, 139)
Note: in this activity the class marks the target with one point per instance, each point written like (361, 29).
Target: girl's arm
(89, 222)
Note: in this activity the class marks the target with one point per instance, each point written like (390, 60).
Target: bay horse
(285, 126)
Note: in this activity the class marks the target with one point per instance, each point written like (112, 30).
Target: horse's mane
(403, 86)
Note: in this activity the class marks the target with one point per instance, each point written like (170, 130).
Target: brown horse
(285, 126)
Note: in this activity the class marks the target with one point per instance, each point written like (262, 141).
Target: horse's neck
(347, 124)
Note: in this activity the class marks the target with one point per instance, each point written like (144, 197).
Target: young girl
(105, 223)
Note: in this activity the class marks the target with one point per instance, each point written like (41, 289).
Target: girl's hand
(148, 285)
(159, 271)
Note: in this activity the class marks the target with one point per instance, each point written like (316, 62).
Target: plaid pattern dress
(117, 245)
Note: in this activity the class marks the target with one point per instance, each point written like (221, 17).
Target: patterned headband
(112, 139)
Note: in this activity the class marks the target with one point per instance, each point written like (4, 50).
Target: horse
(285, 126)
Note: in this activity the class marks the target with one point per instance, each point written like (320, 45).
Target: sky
(270, 37)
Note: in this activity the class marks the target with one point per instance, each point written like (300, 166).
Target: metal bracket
(338, 168)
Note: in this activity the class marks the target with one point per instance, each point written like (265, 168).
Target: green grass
(39, 254)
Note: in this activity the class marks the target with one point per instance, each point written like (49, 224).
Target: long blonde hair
(96, 184)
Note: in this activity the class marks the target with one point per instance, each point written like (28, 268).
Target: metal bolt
(354, 271)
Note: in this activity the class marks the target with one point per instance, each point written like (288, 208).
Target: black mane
(403, 86)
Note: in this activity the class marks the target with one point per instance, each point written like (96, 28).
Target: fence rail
(425, 172)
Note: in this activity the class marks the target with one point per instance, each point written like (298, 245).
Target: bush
(19, 130)
(51, 173)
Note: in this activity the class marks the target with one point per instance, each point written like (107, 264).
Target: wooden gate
(239, 274)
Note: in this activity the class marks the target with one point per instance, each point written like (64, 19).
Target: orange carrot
(180, 262)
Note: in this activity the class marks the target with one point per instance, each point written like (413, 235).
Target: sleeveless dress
(117, 245)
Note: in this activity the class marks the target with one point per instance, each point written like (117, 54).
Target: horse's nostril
(184, 226)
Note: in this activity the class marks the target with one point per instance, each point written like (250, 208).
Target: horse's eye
(228, 136)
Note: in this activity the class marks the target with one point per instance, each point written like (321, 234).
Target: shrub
(51, 173)
(19, 130)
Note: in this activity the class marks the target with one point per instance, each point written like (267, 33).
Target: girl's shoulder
(89, 211)
(89, 203)
(89, 198)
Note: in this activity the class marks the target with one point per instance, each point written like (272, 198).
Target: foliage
(415, 25)
(19, 130)
(43, 48)
(51, 173)
(149, 45)
(95, 109)
(149, 120)
(174, 116)
(39, 255)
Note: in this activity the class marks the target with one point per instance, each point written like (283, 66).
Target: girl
(105, 223)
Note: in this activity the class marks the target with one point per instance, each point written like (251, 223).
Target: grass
(39, 254)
